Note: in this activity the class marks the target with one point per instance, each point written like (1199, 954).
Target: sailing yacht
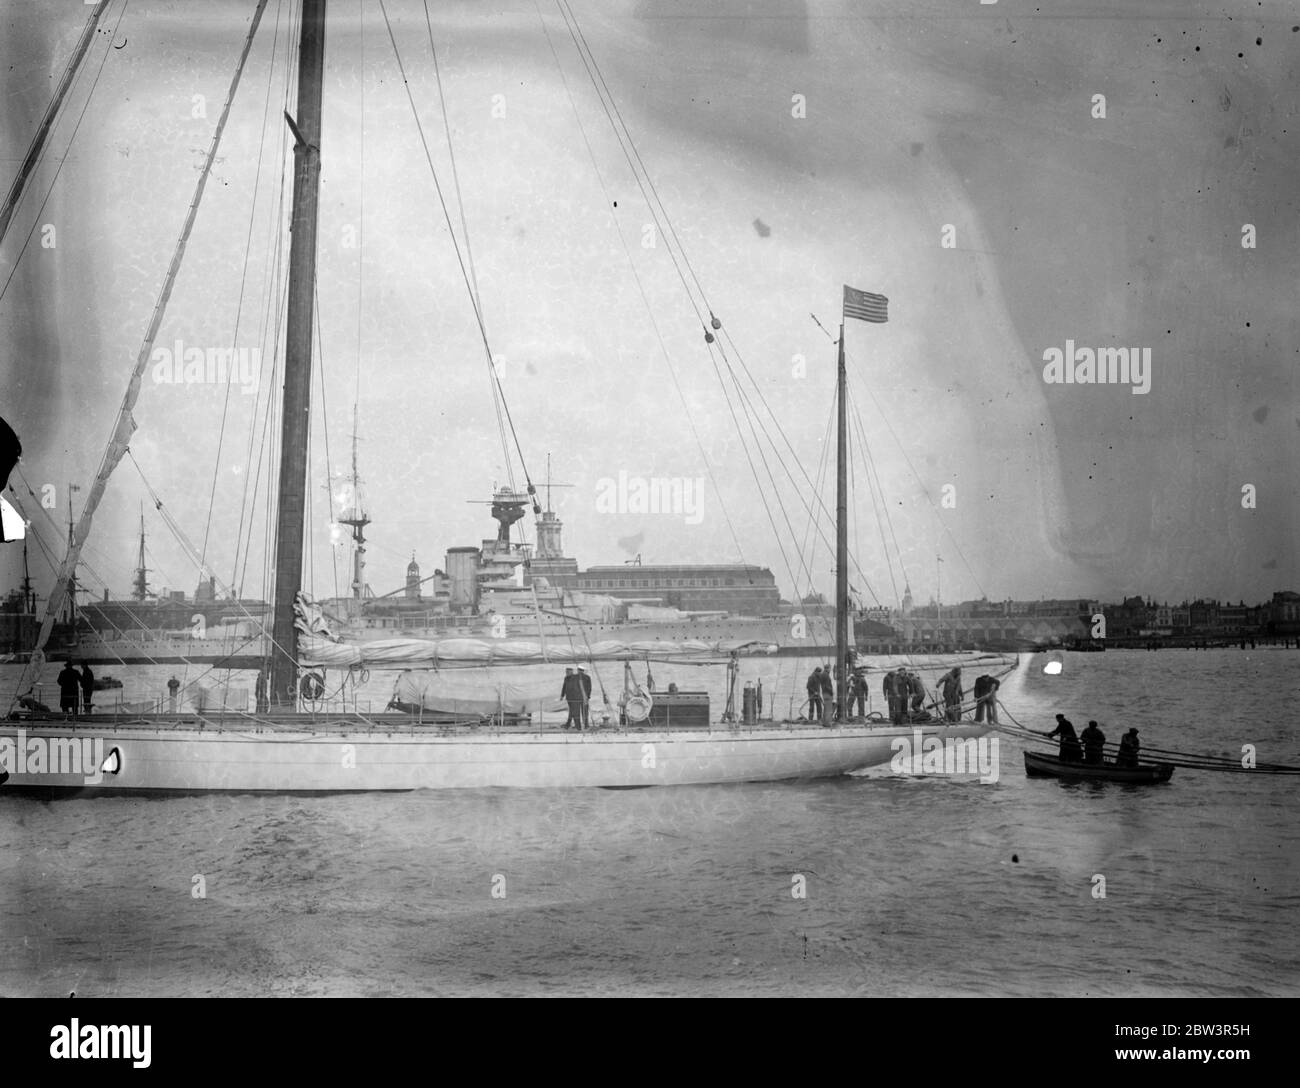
(287, 746)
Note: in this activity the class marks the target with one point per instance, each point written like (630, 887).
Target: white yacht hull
(337, 755)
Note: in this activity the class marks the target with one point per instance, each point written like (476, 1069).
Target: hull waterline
(337, 755)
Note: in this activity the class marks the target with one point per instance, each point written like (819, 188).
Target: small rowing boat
(1038, 765)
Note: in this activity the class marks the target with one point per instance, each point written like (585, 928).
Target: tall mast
(358, 521)
(297, 360)
(72, 571)
(841, 542)
(141, 583)
(29, 596)
(47, 122)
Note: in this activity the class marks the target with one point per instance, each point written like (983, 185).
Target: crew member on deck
(584, 682)
(916, 688)
(1128, 749)
(814, 687)
(986, 701)
(69, 681)
(952, 694)
(1071, 752)
(173, 686)
(1094, 740)
(858, 694)
(87, 686)
(571, 693)
(891, 698)
(828, 695)
(259, 692)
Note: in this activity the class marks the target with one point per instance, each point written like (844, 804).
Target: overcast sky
(1122, 230)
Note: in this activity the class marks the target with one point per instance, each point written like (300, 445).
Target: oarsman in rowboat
(1094, 741)
(1071, 752)
(1128, 749)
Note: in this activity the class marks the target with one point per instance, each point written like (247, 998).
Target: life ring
(637, 707)
(312, 686)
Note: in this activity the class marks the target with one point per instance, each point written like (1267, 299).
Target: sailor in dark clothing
(69, 681)
(950, 682)
(1071, 752)
(986, 699)
(814, 687)
(571, 693)
(1094, 741)
(916, 689)
(891, 698)
(858, 694)
(87, 686)
(828, 695)
(1128, 749)
(584, 681)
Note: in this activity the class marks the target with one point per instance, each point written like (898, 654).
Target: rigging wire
(36, 222)
(460, 259)
(640, 286)
(239, 305)
(270, 275)
(656, 207)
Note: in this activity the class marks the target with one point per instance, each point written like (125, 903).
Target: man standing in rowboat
(1094, 741)
(1070, 752)
(1128, 749)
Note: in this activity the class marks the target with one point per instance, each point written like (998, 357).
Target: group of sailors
(73, 684)
(576, 691)
(1089, 746)
(904, 692)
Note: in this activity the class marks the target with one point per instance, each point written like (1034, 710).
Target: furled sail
(411, 653)
(318, 647)
(475, 696)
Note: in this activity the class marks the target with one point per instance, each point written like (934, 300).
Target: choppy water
(914, 885)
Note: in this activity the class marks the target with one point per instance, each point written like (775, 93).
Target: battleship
(504, 587)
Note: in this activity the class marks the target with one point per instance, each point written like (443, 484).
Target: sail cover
(319, 648)
(316, 652)
(458, 693)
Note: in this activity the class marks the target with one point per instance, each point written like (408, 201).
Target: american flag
(865, 306)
